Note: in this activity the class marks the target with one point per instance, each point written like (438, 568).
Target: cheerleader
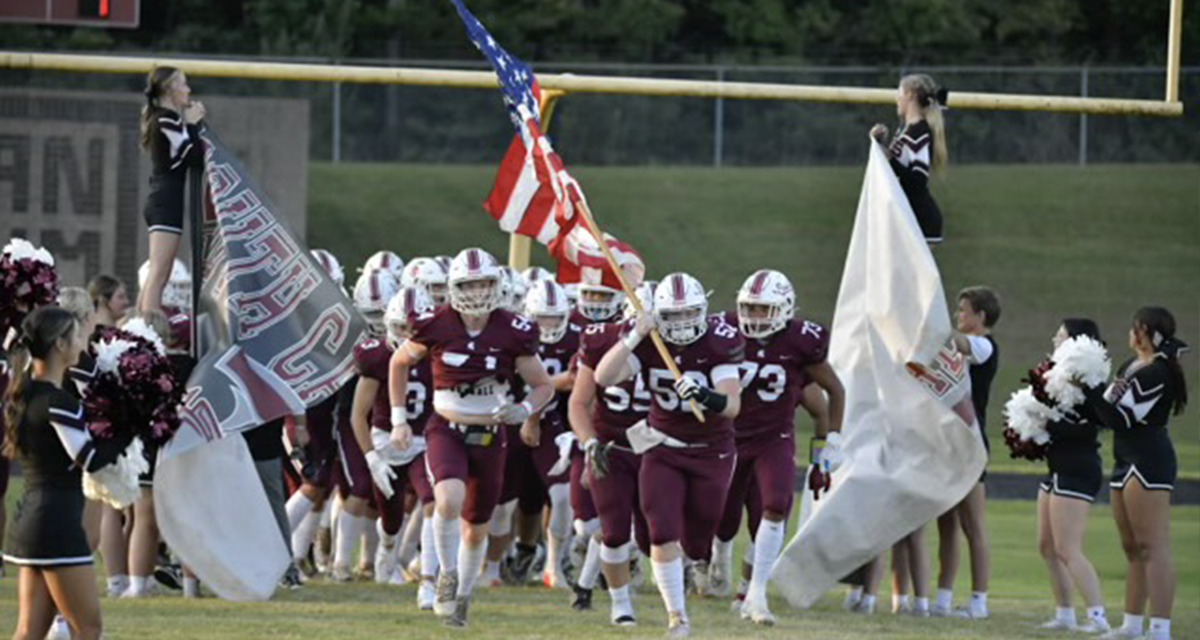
(918, 148)
(47, 435)
(109, 299)
(171, 135)
(1149, 389)
(1063, 502)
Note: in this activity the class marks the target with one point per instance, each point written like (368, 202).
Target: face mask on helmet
(765, 304)
(407, 304)
(371, 295)
(428, 274)
(547, 305)
(599, 303)
(476, 283)
(681, 308)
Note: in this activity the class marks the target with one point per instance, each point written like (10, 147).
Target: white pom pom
(1078, 361)
(1028, 417)
(117, 484)
(139, 328)
(109, 352)
(20, 249)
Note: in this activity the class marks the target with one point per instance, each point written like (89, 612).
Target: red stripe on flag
(506, 179)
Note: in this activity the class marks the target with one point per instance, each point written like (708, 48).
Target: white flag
(911, 448)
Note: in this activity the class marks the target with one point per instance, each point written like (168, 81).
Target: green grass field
(1054, 241)
(1020, 600)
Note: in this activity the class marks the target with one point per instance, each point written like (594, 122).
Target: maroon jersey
(620, 406)
(372, 358)
(714, 356)
(773, 377)
(556, 358)
(461, 362)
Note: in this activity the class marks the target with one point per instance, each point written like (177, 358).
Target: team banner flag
(282, 335)
(911, 447)
(532, 186)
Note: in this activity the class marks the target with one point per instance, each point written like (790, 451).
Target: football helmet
(514, 289)
(372, 293)
(387, 261)
(177, 292)
(475, 283)
(444, 261)
(681, 309)
(547, 305)
(533, 275)
(331, 265)
(645, 295)
(599, 303)
(408, 303)
(429, 275)
(769, 289)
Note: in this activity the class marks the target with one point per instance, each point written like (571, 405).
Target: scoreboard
(117, 14)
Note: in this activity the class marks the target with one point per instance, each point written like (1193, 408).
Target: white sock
(491, 570)
(298, 506)
(591, 564)
(868, 604)
(559, 528)
(856, 594)
(922, 605)
(349, 531)
(1065, 614)
(748, 554)
(1097, 614)
(899, 602)
(979, 602)
(446, 534)
(327, 513)
(767, 544)
(370, 543)
(429, 556)
(118, 581)
(945, 599)
(303, 535)
(1160, 629)
(137, 584)
(722, 551)
(1132, 623)
(191, 587)
(621, 604)
(669, 577)
(470, 561)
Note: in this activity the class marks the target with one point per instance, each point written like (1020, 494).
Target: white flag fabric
(211, 506)
(910, 443)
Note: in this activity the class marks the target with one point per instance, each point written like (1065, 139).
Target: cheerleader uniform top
(910, 158)
(175, 146)
(54, 448)
(1142, 447)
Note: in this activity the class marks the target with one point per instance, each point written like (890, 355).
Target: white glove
(513, 413)
(381, 472)
(832, 455)
(565, 442)
(687, 388)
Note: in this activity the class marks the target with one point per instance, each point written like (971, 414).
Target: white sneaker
(1094, 626)
(340, 574)
(1121, 633)
(144, 592)
(59, 630)
(117, 587)
(399, 578)
(385, 561)
(426, 593)
(967, 613)
(757, 612)
(1058, 625)
(677, 626)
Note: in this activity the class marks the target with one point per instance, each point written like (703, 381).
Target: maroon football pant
(354, 476)
(764, 480)
(683, 495)
(616, 500)
(411, 480)
(481, 468)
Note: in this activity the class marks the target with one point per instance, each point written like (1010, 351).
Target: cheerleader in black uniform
(171, 135)
(47, 434)
(919, 148)
(1063, 503)
(1148, 390)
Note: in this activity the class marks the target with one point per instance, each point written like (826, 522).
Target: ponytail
(40, 330)
(1159, 326)
(156, 86)
(932, 100)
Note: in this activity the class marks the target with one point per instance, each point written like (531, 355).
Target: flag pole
(196, 221)
(633, 299)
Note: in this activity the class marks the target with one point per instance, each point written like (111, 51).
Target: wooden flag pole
(633, 299)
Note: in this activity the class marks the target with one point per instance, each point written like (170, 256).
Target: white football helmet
(599, 303)
(514, 289)
(681, 308)
(331, 265)
(572, 290)
(178, 291)
(645, 295)
(770, 289)
(534, 275)
(547, 305)
(385, 260)
(372, 293)
(408, 303)
(475, 283)
(444, 261)
(427, 274)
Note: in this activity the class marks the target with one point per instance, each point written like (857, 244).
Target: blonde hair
(77, 301)
(931, 99)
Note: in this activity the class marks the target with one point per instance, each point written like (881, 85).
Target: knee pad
(614, 555)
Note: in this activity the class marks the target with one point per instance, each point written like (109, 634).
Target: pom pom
(1079, 362)
(135, 393)
(19, 249)
(139, 328)
(1026, 419)
(28, 280)
(117, 484)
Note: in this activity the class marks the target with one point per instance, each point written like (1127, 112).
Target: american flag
(533, 192)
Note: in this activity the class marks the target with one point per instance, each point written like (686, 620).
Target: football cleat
(446, 593)
(756, 611)
(677, 626)
(582, 600)
(458, 618)
(426, 594)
